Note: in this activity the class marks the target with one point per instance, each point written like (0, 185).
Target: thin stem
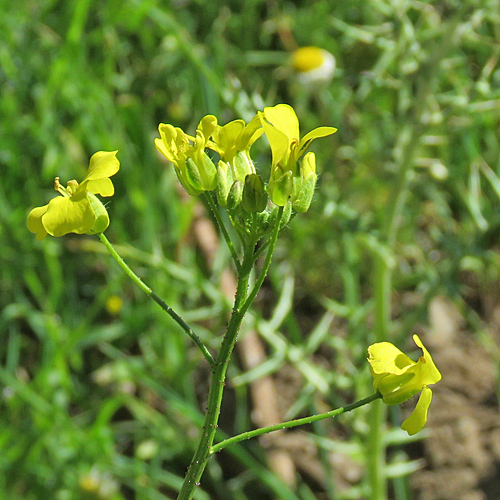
(242, 302)
(293, 423)
(260, 250)
(217, 381)
(267, 262)
(208, 197)
(158, 300)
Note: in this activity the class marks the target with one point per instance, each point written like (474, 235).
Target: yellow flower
(195, 171)
(235, 137)
(313, 66)
(398, 378)
(281, 126)
(78, 210)
(233, 142)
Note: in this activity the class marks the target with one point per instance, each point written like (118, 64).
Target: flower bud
(242, 165)
(280, 186)
(235, 195)
(305, 185)
(254, 194)
(225, 180)
(208, 171)
(101, 222)
(190, 178)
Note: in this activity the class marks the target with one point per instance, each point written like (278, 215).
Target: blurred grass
(104, 405)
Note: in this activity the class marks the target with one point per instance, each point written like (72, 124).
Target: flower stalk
(241, 304)
(149, 292)
(293, 423)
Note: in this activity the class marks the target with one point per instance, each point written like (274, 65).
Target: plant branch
(267, 263)
(293, 423)
(158, 300)
(222, 226)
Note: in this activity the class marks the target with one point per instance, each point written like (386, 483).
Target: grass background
(106, 404)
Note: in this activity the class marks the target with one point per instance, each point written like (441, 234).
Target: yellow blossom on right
(398, 378)
(288, 182)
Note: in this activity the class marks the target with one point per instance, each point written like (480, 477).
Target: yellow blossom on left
(78, 210)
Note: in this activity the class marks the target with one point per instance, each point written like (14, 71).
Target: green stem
(267, 262)
(217, 381)
(293, 423)
(208, 197)
(158, 300)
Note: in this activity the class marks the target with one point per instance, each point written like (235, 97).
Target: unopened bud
(224, 182)
(235, 195)
(101, 222)
(280, 186)
(254, 194)
(208, 172)
(305, 185)
(243, 165)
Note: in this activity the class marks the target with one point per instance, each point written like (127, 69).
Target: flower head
(281, 126)
(398, 378)
(78, 210)
(313, 66)
(195, 170)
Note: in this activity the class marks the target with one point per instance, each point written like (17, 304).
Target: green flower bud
(280, 186)
(191, 177)
(235, 195)
(208, 172)
(254, 194)
(225, 180)
(304, 187)
(101, 222)
(243, 165)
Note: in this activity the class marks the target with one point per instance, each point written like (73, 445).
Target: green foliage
(107, 403)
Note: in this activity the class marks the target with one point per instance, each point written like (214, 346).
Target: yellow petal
(207, 127)
(283, 117)
(168, 144)
(416, 421)
(429, 373)
(35, 224)
(160, 146)
(66, 215)
(104, 187)
(310, 136)
(278, 141)
(250, 134)
(226, 137)
(103, 164)
(385, 357)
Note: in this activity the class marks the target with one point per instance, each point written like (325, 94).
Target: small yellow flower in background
(398, 378)
(195, 171)
(313, 66)
(281, 126)
(78, 210)
(114, 304)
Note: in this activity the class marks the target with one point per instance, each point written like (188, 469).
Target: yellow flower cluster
(288, 180)
(235, 179)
